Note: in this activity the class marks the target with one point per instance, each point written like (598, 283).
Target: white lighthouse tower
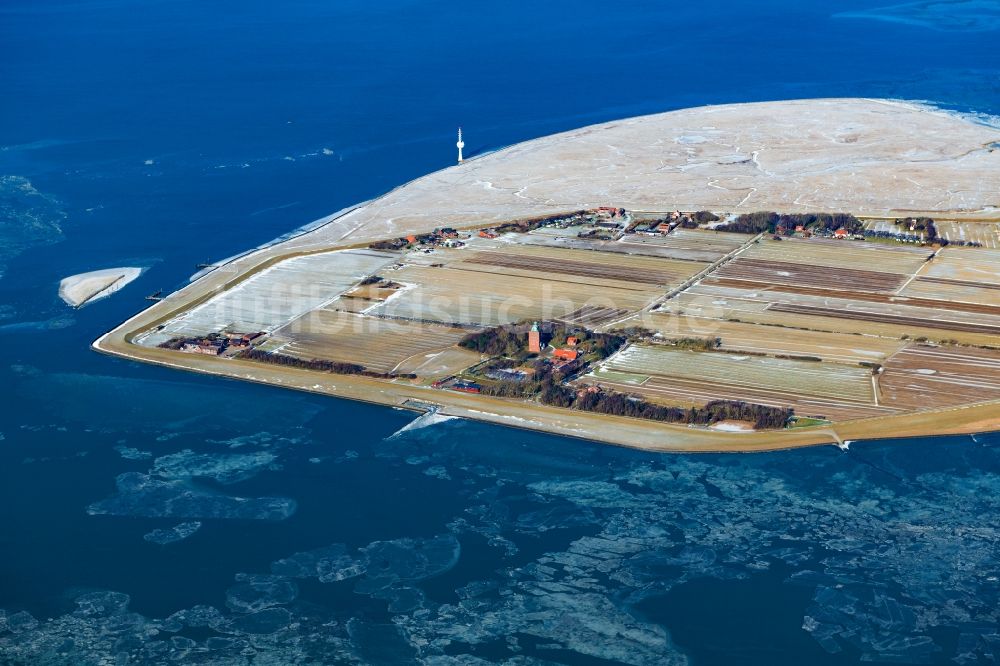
(460, 145)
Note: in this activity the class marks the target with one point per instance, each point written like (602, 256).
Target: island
(78, 290)
(727, 278)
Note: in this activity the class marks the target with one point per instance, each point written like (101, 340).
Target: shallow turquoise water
(163, 134)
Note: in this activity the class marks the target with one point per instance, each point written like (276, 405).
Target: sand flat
(78, 290)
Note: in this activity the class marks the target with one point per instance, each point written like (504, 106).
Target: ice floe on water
(438, 472)
(327, 564)
(347, 455)
(264, 440)
(255, 592)
(140, 494)
(895, 547)
(224, 468)
(131, 453)
(380, 564)
(179, 532)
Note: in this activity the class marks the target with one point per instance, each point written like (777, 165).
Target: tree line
(622, 404)
(771, 222)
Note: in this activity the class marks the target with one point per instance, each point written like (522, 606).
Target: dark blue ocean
(151, 516)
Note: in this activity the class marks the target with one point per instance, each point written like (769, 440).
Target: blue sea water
(149, 516)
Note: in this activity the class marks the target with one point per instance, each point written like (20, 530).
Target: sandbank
(78, 290)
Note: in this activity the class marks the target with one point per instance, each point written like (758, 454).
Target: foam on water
(425, 420)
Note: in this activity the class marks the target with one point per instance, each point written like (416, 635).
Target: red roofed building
(566, 354)
(572, 341)
(841, 233)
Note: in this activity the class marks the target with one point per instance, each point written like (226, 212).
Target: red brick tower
(534, 340)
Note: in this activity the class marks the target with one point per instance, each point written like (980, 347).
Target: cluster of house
(654, 228)
(216, 345)
(610, 212)
(561, 356)
(590, 388)
(445, 236)
(607, 217)
(802, 232)
(661, 226)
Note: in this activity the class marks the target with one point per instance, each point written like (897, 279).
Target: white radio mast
(460, 145)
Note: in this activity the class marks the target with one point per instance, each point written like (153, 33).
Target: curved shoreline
(359, 224)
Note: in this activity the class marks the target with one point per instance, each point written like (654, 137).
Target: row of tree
(771, 222)
(620, 404)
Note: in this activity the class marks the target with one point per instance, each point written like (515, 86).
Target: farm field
(986, 233)
(771, 272)
(717, 295)
(588, 267)
(494, 286)
(921, 296)
(594, 316)
(818, 320)
(956, 292)
(827, 390)
(269, 299)
(965, 264)
(440, 364)
(776, 306)
(739, 336)
(841, 254)
(839, 381)
(378, 344)
(453, 295)
(920, 376)
(689, 244)
(838, 290)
